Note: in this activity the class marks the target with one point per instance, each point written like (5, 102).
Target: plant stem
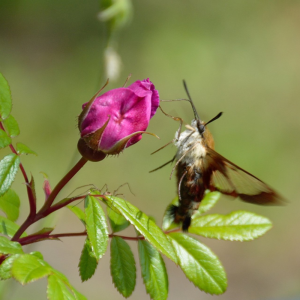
(46, 209)
(61, 184)
(31, 198)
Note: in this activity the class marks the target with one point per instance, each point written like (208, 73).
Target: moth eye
(202, 128)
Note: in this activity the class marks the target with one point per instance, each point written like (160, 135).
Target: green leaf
(122, 266)
(5, 140)
(200, 265)
(37, 254)
(143, 224)
(56, 289)
(9, 247)
(8, 227)
(5, 98)
(23, 149)
(209, 200)
(9, 166)
(236, 226)
(65, 280)
(28, 268)
(78, 212)
(88, 262)
(5, 267)
(153, 271)
(117, 221)
(96, 226)
(11, 126)
(10, 204)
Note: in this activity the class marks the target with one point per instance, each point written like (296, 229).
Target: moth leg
(179, 185)
(170, 161)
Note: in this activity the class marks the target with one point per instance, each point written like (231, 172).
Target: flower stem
(61, 184)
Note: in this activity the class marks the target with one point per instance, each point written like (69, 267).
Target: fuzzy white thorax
(190, 138)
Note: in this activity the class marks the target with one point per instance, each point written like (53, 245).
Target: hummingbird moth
(199, 168)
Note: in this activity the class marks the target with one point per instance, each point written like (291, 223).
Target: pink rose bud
(116, 120)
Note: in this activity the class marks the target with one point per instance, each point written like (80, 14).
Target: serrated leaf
(5, 98)
(200, 264)
(23, 149)
(208, 202)
(56, 289)
(9, 247)
(28, 268)
(88, 262)
(8, 227)
(9, 166)
(11, 126)
(37, 254)
(5, 140)
(153, 271)
(122, 266)
(10, 204)
(5, 267)
(117, 221)
(236, 226)
(145, 225)
(65, 280)
(96, 226)
(78, 212)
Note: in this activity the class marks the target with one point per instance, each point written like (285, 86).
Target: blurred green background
(239, 57)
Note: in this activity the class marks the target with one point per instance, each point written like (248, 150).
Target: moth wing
(229, 179)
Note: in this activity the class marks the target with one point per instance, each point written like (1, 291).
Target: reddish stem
(61, 184)
(46, 209)
(35, 238)
(31, 197)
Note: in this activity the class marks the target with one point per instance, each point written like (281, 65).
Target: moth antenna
(215, 118)
(170, 161)
(191, 101)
